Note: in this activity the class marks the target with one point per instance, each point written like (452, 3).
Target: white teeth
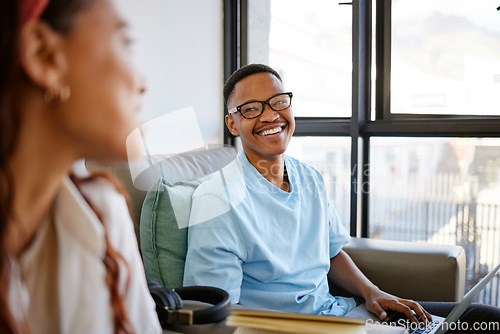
(271, 131)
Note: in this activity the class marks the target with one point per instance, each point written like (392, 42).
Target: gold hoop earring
(65, 93)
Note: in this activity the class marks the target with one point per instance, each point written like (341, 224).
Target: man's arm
(345, 273)
(215, 251)
(214, 267)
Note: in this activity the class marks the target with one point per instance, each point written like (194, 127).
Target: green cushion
(163, 230)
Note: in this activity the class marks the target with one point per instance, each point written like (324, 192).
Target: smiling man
(270, 236)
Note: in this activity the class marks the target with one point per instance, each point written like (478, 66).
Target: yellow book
(279, 322)
(272, 322)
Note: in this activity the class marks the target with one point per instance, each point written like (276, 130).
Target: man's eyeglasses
(254, 109)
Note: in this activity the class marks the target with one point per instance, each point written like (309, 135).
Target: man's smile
(271, 131)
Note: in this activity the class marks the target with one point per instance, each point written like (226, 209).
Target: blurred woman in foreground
(69, 261)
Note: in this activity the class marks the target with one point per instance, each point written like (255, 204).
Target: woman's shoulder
(105, 197)
(103, 192)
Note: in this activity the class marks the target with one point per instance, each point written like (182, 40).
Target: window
(444, 57)
(310, 48)
(439, 190)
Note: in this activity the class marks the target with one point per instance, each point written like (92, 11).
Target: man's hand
(346, 274)
(379, 302)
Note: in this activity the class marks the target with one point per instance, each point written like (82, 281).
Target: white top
(59, 283)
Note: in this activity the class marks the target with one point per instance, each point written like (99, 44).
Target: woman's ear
(231, 125)
(42, 56)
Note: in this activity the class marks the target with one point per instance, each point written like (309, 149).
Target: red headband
(32, 9)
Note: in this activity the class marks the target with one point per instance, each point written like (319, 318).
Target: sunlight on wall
(178, 46)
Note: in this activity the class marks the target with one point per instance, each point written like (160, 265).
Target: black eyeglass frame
(263, 103)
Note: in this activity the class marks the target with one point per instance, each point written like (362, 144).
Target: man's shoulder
(215, 197)
(301, 167)
(217, 183)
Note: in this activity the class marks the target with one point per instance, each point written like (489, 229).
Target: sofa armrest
(418, 271)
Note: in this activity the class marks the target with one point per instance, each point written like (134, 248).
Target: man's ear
(42, 56)
(231, 125)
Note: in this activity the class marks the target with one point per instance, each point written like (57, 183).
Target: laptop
(438, 324)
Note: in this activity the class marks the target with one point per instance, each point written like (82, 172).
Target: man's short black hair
(244, 72)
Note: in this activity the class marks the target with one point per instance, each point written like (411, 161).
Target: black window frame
(359, 127)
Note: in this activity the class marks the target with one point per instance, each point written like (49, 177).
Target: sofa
(418, 271)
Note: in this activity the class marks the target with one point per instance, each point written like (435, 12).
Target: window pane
(331, 156)
(309, 44)
(445, 57)
(443, 191)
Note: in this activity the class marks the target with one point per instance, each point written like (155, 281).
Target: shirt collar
(73, 215)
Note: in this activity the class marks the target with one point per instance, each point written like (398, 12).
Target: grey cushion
(183, 166)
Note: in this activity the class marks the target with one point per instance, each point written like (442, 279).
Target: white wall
(178, 46)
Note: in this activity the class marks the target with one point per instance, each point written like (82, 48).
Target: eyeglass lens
(254, 109)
